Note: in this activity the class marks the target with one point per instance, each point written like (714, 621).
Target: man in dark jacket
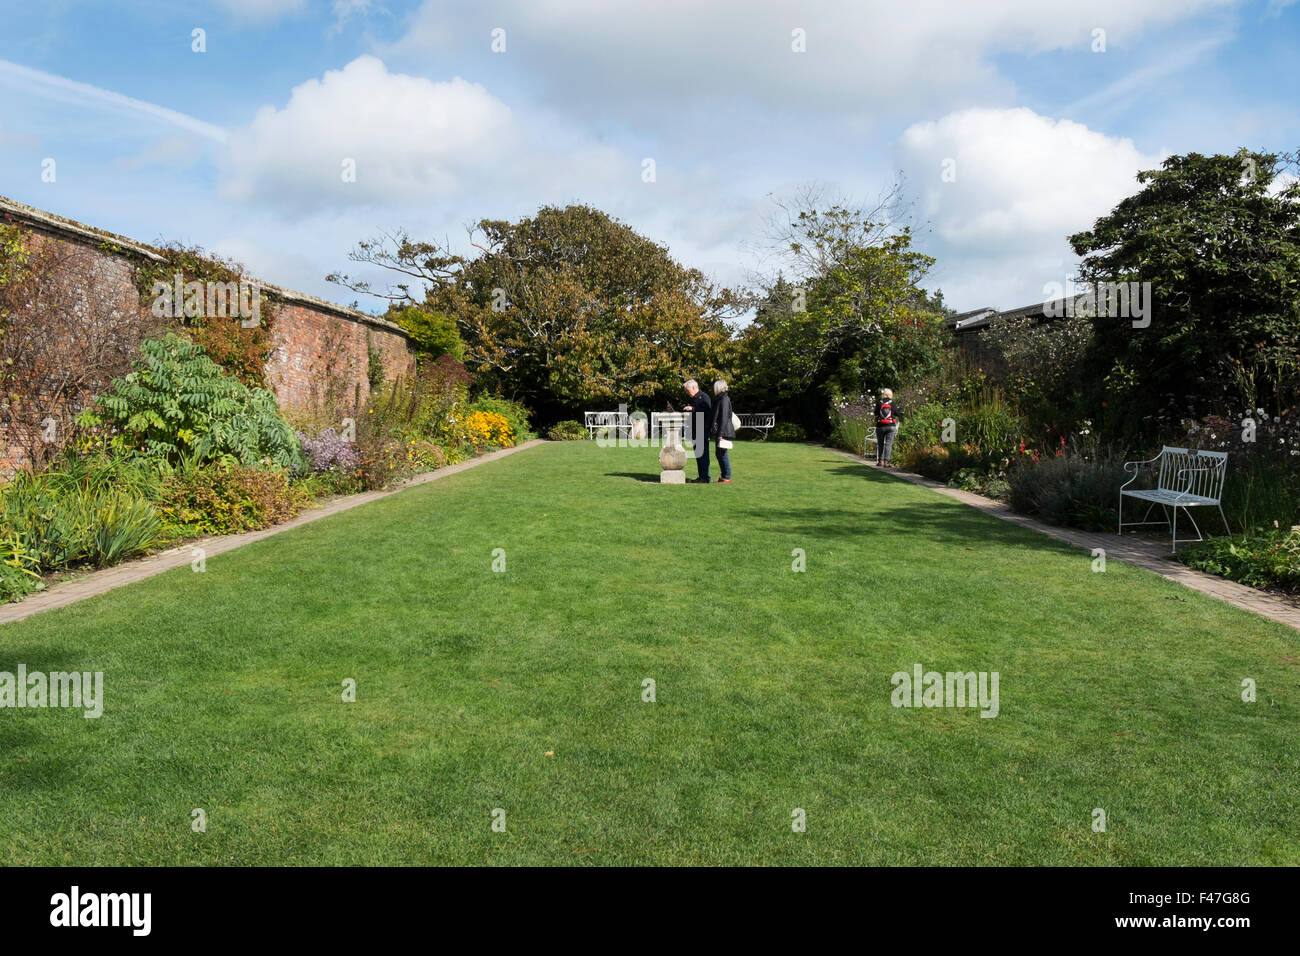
(700, 410)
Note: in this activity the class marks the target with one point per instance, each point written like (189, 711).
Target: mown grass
(522, 690)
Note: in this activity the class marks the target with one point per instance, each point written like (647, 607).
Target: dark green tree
(1218, 238)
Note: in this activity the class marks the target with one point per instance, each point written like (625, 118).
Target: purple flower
(329, 451)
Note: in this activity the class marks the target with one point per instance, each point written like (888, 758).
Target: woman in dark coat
(724, 429)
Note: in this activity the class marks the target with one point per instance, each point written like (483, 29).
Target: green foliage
(14, 256)
(788, 431)
(1040, 367)
(1221, 250)
(1261, 491)
(413, 426)
(432, 332)
(20, 569)
(852, 321)
(922, 426)
(241, 350)
(179, 406)
(226, 499)
(1069, 490)
(375, 365)
(987, 422)
(567, 431)
(81, 511)
(1269, 559)
(851, 424)
(566, 307)
(513, 412)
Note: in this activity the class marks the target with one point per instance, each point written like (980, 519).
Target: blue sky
(241, 148)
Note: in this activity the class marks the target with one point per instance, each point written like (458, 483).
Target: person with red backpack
(886, 427)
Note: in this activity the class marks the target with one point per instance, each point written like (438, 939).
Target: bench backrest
(757, 419)
(1205, 469)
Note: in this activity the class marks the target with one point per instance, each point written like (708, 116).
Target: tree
(853, 318)
(566, 308)
(1218, 239)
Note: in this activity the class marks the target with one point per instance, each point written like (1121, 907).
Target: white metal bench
(1187, 479)
(759, 421)
(618, 421)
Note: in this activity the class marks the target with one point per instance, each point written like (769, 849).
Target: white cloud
(1022, 183)
(410, 138)
(859, 56)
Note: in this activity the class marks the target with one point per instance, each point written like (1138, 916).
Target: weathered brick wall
(321, 350)
(323, 360)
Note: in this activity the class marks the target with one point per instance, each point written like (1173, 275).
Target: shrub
(1266, 559)
(242, 350)
(432, 332)
(179, 406)
(922, 427)
(328, 451)
(120, 527)
(1262, 486)
(851, 420)
(20, 570)
(227, 499)
(567, 431)
(1069, 490)
(426, 455)
(79, 511)
(788, 431)
(987, 422)
(513, 412)
(489, 430)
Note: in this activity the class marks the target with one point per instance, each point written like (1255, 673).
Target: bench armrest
(1133, 467)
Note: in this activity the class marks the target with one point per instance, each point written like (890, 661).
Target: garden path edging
(1145, 555)
(100, 582)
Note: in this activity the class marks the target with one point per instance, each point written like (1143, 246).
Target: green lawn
(522, 690)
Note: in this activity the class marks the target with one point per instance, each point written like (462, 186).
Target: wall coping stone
(12, 210)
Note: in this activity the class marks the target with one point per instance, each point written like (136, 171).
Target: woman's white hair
(719, 387)
(887, 392)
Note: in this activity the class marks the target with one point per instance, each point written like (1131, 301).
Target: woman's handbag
(735, 422)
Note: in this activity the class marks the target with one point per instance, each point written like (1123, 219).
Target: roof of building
(1048, 311)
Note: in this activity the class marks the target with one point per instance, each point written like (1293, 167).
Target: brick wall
(321, 350)
(323, 358)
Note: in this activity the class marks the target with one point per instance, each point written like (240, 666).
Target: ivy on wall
(234, 343)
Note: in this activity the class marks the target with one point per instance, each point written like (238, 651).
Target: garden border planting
(1148, 556)
(99, 582)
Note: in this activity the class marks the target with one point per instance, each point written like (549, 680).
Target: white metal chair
(1187, 479)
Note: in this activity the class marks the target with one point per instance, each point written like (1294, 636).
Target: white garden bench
(619, 422)
(1187, 479)
(759, 421)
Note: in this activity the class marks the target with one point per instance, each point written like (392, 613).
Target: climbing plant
(233, 342)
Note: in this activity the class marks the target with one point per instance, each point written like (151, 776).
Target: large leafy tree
(1218, 238)
(566, 308)
(852, 319)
